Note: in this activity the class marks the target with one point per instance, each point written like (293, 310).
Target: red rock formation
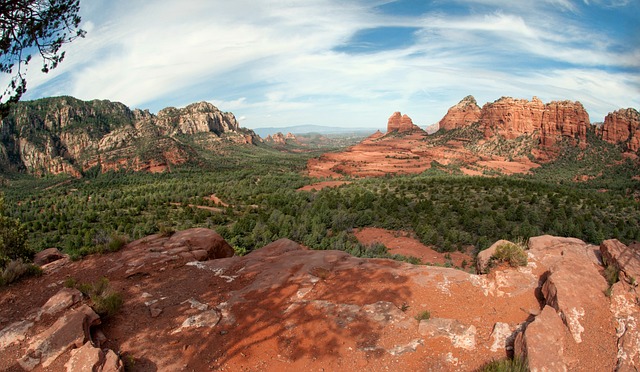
(401, 124)
(278, 138)
(512, 118)
(564, 118)
(466, 112)
(623, 126)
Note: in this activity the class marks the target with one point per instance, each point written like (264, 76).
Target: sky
(350, 63)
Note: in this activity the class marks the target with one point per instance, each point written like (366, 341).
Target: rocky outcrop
(401, 124)
(484, 257)
(624, 301)
(285, 307)
(69, 331)
(465, 113)
(512, 118)
(66, 135)
(280, 139)
(201, 117)
(623, 126)
(543, 343)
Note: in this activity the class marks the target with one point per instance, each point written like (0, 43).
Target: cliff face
(622, 126)
(512, 118)
(466, 112)
(401, 124)
(66, 135)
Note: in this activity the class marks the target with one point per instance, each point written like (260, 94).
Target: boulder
(626, 259)
(64, 299)
(90, 358)
(201, 239)
(69, 331)
(85, 358)
(543, 342)
(483, 258)
(48, 255)
(573, 285)
(624, 300)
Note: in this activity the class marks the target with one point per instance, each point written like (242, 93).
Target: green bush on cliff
(513, 254)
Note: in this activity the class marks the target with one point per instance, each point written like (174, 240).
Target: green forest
(441, 207)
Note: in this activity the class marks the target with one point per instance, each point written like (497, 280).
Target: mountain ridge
(66, 135)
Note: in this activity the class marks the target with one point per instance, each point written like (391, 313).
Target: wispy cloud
(288, 62)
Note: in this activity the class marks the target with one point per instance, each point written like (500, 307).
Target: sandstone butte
(465, 113)
(62, 135)
(512, 118)
(189, 304)
(401, 124)
(280, 138)
(622, 126)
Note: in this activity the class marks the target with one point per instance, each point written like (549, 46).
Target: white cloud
(274, 62)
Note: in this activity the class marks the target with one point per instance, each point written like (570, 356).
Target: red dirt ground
(400, 242)
(412, 153)
(285, 308)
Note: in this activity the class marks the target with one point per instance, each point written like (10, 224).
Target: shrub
(513, 254)
(165, 230)
(425, 315)
(116, 242)
(13, 239)
(106, 302)
(16, 270)
(611, 273)
(516, 364)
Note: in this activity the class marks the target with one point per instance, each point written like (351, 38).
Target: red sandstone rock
(623, 126)
(512, 118)
(625, 258)
(466, 112)
(48, 255)
(483, 258)
(64, 299)
(401, 124)
(69, 331)
(543, 342)
(564, 118)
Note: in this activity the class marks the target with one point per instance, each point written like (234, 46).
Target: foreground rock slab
(286, 308)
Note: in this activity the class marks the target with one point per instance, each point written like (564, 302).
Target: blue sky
(350, 63)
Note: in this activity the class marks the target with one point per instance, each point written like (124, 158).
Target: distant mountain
(306, 129)
(506, 136)
(67, 135)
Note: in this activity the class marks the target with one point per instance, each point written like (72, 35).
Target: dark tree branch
(30, 26)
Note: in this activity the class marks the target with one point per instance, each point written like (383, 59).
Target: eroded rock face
(543, 342)
(196, 118)
(624, 301)
(47, 256)
(623, 126)
(69, 331)
(512, 118)
(284, 306)
(465, 113)
(66, 135)
(401, 124)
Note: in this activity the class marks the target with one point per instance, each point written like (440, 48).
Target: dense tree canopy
(33, 26)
